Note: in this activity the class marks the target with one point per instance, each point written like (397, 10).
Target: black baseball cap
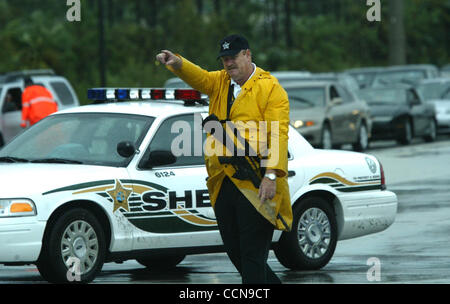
(232, 44)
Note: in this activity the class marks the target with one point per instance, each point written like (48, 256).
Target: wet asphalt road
(415, 249)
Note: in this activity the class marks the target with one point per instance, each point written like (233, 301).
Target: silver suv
(11, 88)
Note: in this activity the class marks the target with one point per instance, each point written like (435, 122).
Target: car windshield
(405, 76)
(306, 97)
(78, 138)
(383, 96)
(364, 79)
(435, 90)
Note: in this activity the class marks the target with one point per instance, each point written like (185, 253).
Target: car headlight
(17, 207)
(300, 123)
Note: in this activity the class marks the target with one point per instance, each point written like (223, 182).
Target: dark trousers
(246, 234)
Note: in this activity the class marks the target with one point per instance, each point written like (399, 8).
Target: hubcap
(408, 132)
(314, 233)
(363, 138)
(433, 130)
(326, 139)
(80, 241)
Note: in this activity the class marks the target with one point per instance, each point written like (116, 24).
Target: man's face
(239, 66)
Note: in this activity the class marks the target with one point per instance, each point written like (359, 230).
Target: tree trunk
(397, 39)
(101, 46)
(200, 7)
(217, 7)
(287, 23)
(152, 15)
(275, 21)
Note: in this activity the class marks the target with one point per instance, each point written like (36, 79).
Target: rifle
(246, 163)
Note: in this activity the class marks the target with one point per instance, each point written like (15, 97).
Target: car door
(175, 210)
(11, 111)
(419, 112)
(352, 111)
(339, 111)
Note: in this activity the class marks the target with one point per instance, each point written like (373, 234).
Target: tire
(432, 129)
(362, 141)
(161, 262)
(407, 135)
(75, 239)
(313, 238)
(326, 140)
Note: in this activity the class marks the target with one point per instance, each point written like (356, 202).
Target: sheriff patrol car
(102, 183)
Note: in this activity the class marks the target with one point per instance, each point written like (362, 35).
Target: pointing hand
(168, 58)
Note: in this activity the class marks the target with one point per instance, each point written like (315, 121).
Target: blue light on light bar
(97, 94)
(122, 94)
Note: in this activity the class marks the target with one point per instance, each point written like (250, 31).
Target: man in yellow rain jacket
(244, 93)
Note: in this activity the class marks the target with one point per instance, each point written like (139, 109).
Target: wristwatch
(271, 176)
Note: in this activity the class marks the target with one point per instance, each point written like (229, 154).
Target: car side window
(63, 92)
(412, 97)
(346, 96)
(333, 93)
(183, 136)
(12, 100)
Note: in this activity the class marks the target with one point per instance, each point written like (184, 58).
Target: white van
(11, 88)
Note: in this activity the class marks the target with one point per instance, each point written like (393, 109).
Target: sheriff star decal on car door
(120, 196)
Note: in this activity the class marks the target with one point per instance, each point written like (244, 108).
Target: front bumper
(387, 129)
(20, 239)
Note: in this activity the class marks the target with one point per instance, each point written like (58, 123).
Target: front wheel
(326, 141)
(312, 241)
(73, 249)
(362, 141)
(407, 134)
(431, 136)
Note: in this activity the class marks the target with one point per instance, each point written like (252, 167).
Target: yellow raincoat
(262, 99)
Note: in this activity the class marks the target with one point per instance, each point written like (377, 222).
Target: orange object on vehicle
(37, 103)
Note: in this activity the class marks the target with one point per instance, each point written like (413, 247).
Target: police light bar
(134, 94)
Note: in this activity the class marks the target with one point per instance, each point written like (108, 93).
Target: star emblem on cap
(226, 45)
(120, 196)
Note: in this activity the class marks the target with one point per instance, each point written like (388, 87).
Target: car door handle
(291, 173)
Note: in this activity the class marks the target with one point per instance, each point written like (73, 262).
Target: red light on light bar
(187, 94)
(158, 94)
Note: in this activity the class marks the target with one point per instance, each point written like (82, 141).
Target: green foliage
(326, 35)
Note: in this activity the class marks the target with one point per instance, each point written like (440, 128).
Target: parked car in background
(399, 113)
(328, 115)
(344, 79)
(405, 74)
(285, 77)
(364, 76)
(11, 88)
(437, 92)
(383, 76)
(176, 83)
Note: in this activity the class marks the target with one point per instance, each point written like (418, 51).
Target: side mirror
(336, 101)
(160, 158)
(126, 149)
